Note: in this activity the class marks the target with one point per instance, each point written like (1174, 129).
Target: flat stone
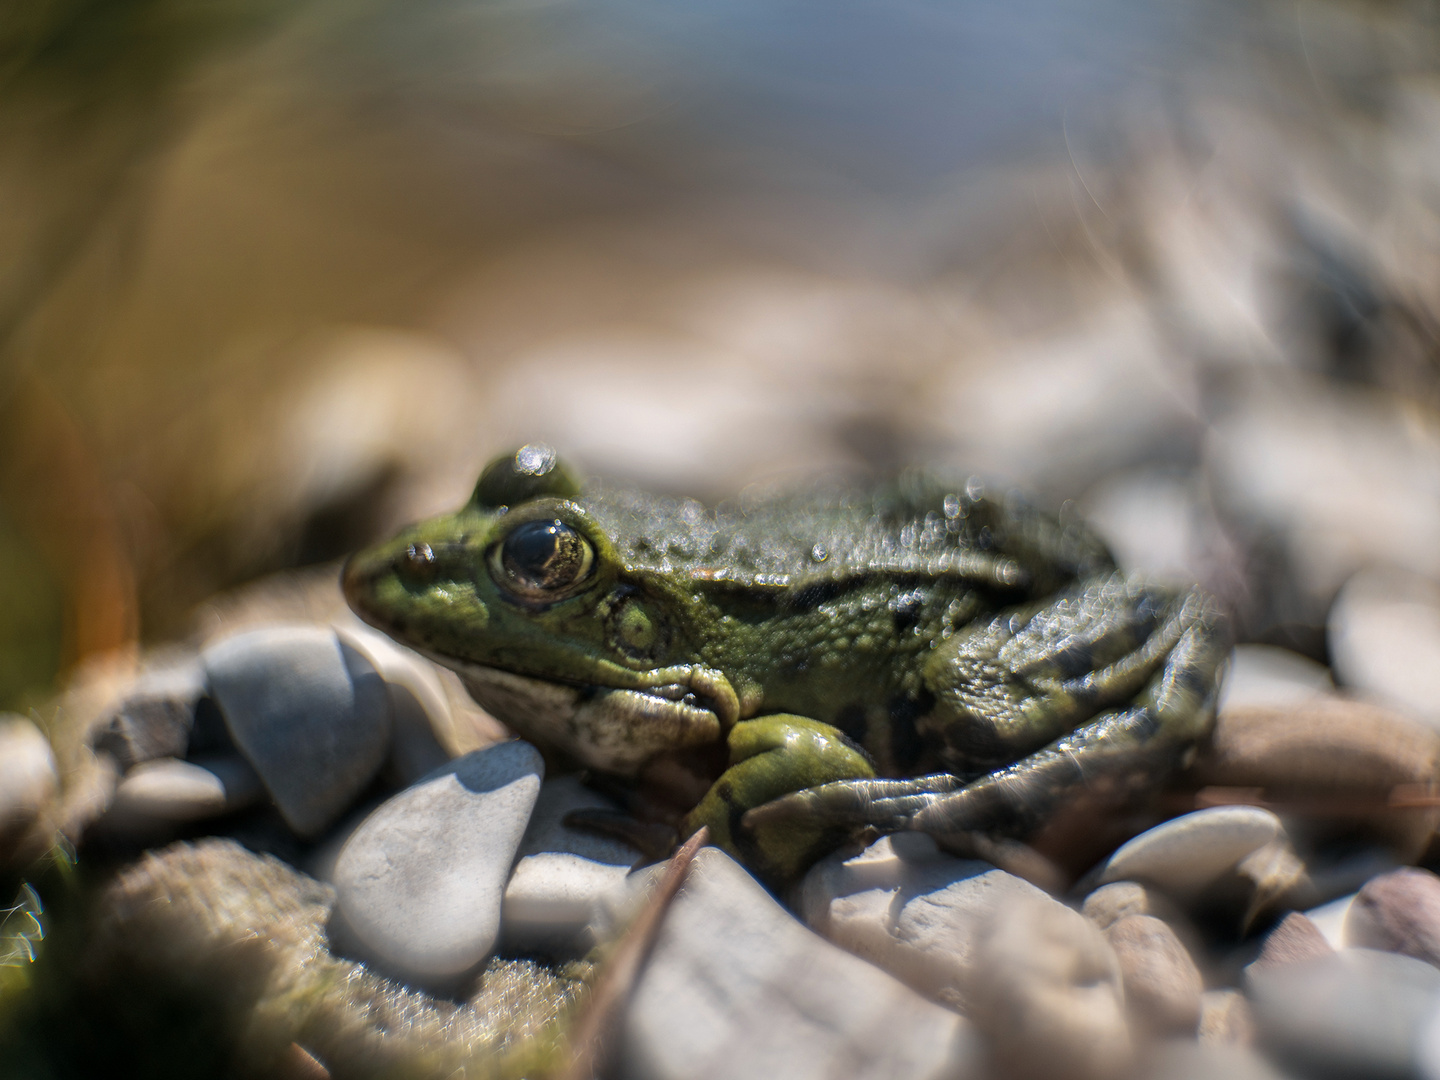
(28, 779)
(170, 790)
(1269, 676)
(1294, 938)
(1053, 994)
(1187, 854)
(420, 882)
(1337, 760)
(309, 712)
(905, 906)
(1162, 983)
(564, 876)
(1356, 1013)
(735, 987)
(1384, 634)
(1398, 912)
(155, 717)
(1225, 1018)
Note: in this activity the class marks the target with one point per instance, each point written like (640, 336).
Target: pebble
(1225, 1018)
(1335, 759)
(1384, 635)
(1162, 983)
(420, 882)
(1110, 903)
(1054, 1001)
(419, 706)
(28, 778)
(917, 913)
(1294, 938)
(309, 712)
(564, 877)
(1187, 854)
(1398, 912)
(157, 713)
(1356, 1013)
(170, 790)
(736, 987)
(1268, 675)
(1330, 918)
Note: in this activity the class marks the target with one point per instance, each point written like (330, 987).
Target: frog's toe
(852, 806)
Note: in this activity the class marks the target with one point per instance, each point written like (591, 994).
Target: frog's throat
(614, 729)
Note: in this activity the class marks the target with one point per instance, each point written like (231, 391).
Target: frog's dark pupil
(544, 554)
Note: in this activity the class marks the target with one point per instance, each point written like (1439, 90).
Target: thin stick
(613, 987)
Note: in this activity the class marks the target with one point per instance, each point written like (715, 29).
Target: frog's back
(918, 526)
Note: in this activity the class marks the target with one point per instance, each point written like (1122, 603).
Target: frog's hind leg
(1110, 753)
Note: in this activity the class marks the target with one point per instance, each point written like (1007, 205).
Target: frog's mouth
(613, 729)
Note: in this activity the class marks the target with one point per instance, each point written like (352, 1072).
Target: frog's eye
(542, 559)
(534, 469)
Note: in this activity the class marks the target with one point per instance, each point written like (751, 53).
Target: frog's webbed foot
(1108, 756)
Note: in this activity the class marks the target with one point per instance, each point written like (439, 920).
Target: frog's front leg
(1051, 679)
(769, 757)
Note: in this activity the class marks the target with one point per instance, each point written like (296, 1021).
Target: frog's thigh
(1115, 752)
(1116, 748)
(1008, 686)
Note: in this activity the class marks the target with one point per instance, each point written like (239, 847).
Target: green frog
(798, 670)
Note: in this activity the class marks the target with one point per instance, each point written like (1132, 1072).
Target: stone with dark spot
(1294, 938)
(1398, 912)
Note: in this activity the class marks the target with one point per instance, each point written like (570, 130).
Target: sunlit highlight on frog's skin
(821, 665)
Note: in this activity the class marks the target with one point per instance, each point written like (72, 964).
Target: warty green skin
(950, 634)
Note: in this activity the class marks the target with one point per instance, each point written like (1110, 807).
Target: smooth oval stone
(1225, 1018)
(1355, 1013)
(1162, 983)
(1294, 938)
(1111, 903)
(308, 711)
(419, 708)
(1337, 760)
(27, 773)
(1398, 912)
(167, 789)
(564, 877)
(420, 882)
(1188, 853)
(1330, 918)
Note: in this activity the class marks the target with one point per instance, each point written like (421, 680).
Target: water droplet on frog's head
(952, 505)
(535, 459)
(974, 489)
(819, 553)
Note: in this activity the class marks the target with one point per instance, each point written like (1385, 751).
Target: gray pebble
(1384, 633)
(420, 882)
(564, 877)
(1398, 912)
(1186, 1060)
(737, 988)
(1187, 854)
(308, 711)
(1225, 1018)
(174, 791)
(1356, 1013)
(155, 717)
(1110, 903)
(1267, 675)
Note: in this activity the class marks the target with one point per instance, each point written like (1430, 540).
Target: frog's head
(522, 592)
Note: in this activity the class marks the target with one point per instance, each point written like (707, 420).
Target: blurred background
(277, 276)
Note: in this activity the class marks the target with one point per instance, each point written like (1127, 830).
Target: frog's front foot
(771, 757)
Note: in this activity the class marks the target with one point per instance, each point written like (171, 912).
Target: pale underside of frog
(799, 670)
